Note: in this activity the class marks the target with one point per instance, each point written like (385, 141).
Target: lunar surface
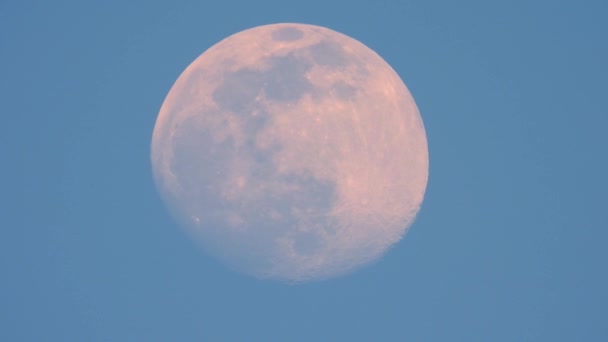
(291, 152)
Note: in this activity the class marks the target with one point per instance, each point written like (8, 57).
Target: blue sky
(509, 244)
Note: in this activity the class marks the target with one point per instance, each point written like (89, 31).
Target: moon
(291, 152)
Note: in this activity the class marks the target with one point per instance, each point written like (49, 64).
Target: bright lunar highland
(292, 152)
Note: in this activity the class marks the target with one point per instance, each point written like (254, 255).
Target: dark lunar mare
(252, 247)
(329, 53)
(302, 211)
(287, 34)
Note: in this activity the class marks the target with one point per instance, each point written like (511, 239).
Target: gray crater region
(291, 151)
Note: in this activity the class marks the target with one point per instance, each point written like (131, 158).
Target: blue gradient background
(510, 244)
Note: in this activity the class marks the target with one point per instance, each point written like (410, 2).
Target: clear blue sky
(510, 244)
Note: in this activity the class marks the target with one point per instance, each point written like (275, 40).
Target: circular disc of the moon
(292, 152)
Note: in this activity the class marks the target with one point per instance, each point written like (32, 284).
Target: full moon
(291, 152)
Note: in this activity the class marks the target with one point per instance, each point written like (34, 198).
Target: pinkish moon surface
(292, 152)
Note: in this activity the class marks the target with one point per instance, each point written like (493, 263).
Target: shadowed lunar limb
(291, 152)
